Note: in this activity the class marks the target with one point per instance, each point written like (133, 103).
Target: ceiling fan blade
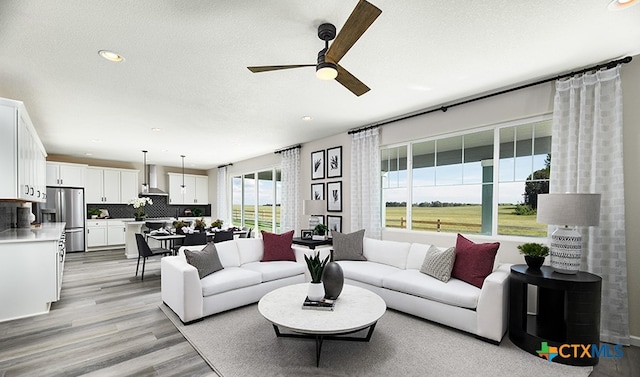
(358, 22)
(267, 68)
(350, 82)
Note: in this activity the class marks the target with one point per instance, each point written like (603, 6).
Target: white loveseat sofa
(392, 270)
(244, 279)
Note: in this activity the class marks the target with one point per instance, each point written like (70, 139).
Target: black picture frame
(334, 162)
(334, 196)
(317, 165)
(317, 191)
(334, 223)
(306, 234)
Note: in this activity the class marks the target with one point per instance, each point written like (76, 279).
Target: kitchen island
(31, 269)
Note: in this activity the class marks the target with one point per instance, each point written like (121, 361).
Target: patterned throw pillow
(348, 246)
(439, 263)
(278, 247)
(474, 261)
(206, 260)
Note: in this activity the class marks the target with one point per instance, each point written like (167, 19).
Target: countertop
(45, 232)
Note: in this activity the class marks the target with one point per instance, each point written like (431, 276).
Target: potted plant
(94, 213)
(138, 204)
(199, 224)
(217, 224)
(319, 232)
(179, 224)
(534, 254)
(316, 268)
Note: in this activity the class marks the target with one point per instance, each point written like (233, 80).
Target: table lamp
(565, 210)
(314, 209)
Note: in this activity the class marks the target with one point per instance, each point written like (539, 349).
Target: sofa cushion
(229, 279)
(367, 272)
(206, 261)
(348, 246)
(392, 253)
(474, 262)
(417, 252)
(277, 247)
(228, 253)
(439, 263)
(250, 249)
(454, 292)
(276, 270)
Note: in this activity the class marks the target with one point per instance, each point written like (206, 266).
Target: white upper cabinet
(108, 185)
(60, 174)
(196, 189)
(23, 156)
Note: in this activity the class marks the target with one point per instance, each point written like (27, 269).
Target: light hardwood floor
(108, 323)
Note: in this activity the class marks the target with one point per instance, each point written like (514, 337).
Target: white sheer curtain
(221, 200)
(290, 206)
(365, 183)
(587, 158)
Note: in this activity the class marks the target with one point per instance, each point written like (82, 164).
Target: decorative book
(324, 304)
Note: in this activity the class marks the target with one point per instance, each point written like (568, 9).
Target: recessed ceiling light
(111, 56)
(156, 129)
(307, 118)
(621, 4)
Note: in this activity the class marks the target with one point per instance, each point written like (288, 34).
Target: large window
(446, 184)
(256, 200)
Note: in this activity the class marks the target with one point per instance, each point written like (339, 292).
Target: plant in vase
(138, 204)
(199, 224)
(94, 213)
(316, 268)
(217, 224)
(320, 231)
(534, 254)
(180, 225)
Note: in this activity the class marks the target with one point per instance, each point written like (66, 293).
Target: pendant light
(145, 185)
(183, 188)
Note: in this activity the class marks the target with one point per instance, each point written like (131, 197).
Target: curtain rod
(444, 108)
(225, 165)
(287, 149)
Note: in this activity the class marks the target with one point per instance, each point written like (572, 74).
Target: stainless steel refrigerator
(67, 205)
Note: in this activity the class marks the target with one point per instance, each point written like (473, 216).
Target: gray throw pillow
(206, 260)
(348, 246)
(439, 263)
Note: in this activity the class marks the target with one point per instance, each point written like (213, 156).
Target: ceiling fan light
(326, 71)
(621, 4)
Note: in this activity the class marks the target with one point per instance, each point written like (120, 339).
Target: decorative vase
(315, 292)
(333, 280)
(534, 263)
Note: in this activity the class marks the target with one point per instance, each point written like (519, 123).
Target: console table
(568, 311)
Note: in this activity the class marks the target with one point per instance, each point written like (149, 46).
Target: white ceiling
(185, 69)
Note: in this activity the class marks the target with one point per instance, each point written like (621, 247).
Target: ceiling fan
(327, 68)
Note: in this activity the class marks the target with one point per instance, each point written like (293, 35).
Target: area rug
(241, 342)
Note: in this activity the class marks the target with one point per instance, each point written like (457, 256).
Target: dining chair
(191, 239)
(223, 235)
(247, 232)
(144, 252)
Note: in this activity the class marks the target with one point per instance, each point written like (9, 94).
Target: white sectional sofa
(392, 270)
(244, 279)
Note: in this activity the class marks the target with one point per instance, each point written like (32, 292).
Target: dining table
(167, 241)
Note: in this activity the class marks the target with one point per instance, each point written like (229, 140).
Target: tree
(537, 183)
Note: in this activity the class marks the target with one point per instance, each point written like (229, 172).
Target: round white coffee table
(355, 309)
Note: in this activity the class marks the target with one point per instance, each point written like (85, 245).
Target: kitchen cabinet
(65, 175)
(31, 271)
(24, 158)
(108, 185)
(197, 189)
(103, 233)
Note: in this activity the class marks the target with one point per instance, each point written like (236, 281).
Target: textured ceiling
(185, 69)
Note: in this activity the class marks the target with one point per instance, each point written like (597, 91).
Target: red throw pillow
(474, 261)
(278, 246)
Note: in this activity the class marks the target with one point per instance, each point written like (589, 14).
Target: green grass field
(466, 219)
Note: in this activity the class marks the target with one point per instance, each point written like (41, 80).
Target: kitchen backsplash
(159, 208)
(7, 215)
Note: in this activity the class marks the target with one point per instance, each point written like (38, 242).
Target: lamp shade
(313, 207)
(569, 209)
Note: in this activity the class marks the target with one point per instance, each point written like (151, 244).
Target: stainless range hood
(152, 184)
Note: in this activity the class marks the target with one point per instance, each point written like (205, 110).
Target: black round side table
(568, 312)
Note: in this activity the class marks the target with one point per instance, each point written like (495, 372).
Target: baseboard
(635, 340)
